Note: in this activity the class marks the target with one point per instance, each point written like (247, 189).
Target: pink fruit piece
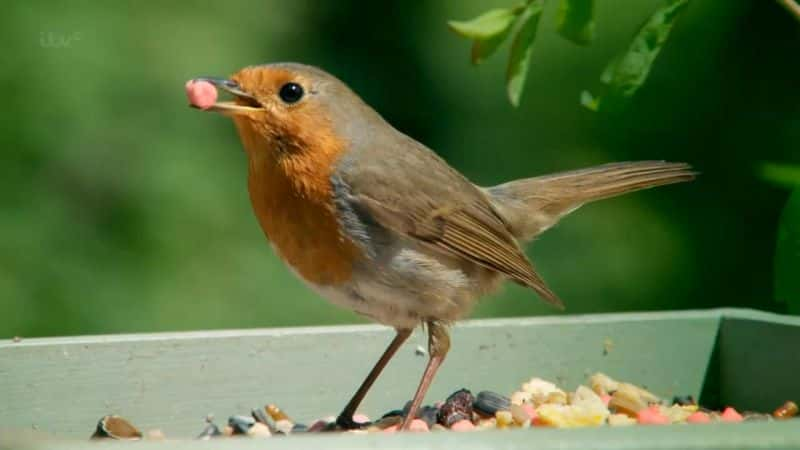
(605, 398)
(698, 417)
(462, 425)
(418, 425)
(201, 94)
(360, 418)
(318, 425)
(731, 415)
(531, 411)
(321, 424)
(652, 416)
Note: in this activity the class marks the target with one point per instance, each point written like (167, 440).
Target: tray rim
(694, 314)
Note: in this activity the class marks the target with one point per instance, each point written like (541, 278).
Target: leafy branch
(622, 77)
(491, 28)
(575, 22)
(626, 73)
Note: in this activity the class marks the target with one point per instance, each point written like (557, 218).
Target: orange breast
(304, 232)
(292, 198)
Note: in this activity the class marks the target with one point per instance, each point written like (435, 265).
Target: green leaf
(575, 20)
(521, 50)
(486, 26)
(626, 73)
(481, 50)
(630, 72)
(787, 255)
(608, 73)
(589, 101)
(784, 175)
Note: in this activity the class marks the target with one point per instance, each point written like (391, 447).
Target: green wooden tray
(59, 387)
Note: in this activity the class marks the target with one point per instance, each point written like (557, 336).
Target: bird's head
(285, 108)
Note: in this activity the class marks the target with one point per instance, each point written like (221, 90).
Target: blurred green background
(125, 211)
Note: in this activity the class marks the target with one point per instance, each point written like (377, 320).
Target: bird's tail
(532, 205)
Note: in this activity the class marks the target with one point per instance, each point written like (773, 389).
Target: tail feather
(532, 205)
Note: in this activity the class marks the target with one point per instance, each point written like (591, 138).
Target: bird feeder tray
(57, 388)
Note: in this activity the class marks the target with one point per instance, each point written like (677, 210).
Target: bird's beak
(244, 103)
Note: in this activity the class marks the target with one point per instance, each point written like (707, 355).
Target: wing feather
(472, 231)
(406, 188)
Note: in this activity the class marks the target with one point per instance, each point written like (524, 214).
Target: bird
(376, 222)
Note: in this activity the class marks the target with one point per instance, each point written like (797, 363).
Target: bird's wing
(416, 194)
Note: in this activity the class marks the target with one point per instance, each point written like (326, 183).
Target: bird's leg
(438, 345)
(345, 419)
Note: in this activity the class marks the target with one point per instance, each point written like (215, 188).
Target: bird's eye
(291, 93)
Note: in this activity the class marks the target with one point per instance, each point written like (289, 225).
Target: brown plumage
(378, 223)
(533, 205)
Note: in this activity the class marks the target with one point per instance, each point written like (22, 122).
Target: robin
(376, 222)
